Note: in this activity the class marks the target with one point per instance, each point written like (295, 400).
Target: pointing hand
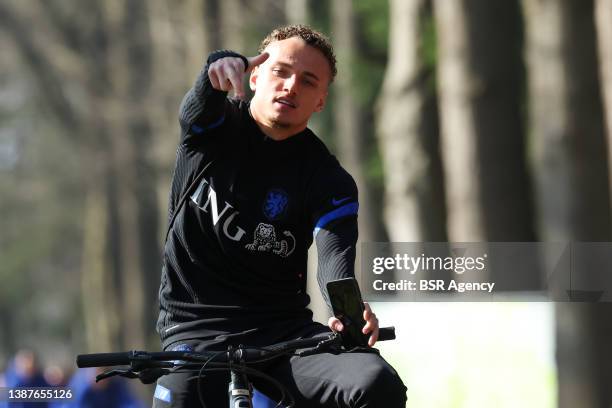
(227, 74)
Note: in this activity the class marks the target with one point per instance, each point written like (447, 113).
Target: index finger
(257, 60)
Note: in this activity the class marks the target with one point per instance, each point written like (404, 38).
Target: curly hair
(311, 37)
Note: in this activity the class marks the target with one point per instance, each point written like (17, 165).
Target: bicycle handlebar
(103, 359)
(149, 367)
(247, 354)
(136, 356)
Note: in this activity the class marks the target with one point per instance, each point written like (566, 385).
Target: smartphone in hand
(347, 305)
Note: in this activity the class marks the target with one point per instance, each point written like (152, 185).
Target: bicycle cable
(199, 384)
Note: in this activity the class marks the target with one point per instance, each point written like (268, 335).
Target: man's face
(290, 85)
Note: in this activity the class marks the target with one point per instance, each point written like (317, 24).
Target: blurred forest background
(461, 120)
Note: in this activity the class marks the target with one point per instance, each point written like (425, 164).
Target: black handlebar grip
(103, 359)
(386, 333)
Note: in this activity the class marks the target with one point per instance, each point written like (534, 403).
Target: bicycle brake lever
(112, 373)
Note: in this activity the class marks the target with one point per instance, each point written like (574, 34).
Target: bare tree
(51, 83)
(138, 205)
(603, 19)
(94, 73)
(479, 82)
(101, 327)
(350, 136)
(569, 161)
(408, 134)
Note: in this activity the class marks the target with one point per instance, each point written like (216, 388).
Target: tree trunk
(349, 127)
(212, 25)
(482, 139)
(569, 162)
(133, 197)
(99, 297)
(566, 122)
(603, 19)
(408, 134)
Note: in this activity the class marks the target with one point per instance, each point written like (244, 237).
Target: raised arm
(203, 106)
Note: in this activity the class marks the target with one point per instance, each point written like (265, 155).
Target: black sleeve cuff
(217, 55)
(203, 103)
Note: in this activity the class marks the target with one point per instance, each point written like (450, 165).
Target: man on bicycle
(251, 190)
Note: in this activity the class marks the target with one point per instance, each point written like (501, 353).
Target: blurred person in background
(24, 371)
(55, 375)
(87, 393)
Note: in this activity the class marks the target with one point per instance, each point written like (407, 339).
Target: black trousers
(355, 380)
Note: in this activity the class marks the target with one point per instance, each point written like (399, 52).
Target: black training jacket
(234, 261)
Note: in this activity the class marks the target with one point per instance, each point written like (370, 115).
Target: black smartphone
(347, 305)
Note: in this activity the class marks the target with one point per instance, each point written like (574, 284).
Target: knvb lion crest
(264, 240)
(275, 204)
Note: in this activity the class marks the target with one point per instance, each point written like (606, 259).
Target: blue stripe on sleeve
(198, 129)
(347, 209)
